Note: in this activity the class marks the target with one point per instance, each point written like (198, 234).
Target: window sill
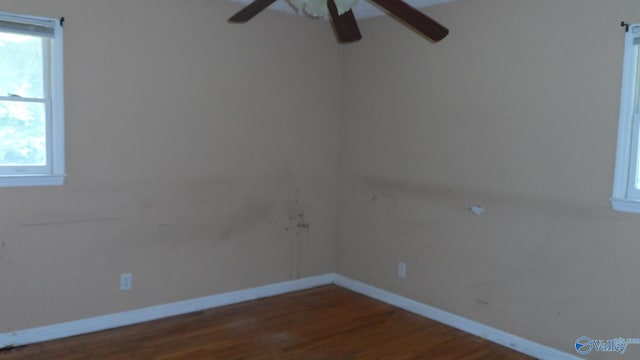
(625, 205)
(31, 180)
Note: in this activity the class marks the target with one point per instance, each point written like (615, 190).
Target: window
(626, 187)
(31, 101)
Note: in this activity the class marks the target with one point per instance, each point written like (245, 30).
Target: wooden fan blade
(345, 24)
(250, 11)
(414, 18)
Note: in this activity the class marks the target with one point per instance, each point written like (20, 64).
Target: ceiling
(364, 9)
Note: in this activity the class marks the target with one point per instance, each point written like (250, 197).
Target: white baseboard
(85, 326)
(514, 342)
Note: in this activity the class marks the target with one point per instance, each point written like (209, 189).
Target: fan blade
(250, 11)
(414, 18)
(345, 24)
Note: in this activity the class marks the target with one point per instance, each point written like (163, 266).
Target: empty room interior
(467, 180)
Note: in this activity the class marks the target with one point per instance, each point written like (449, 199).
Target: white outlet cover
(364, 9)
(402, 270)
(125, 282)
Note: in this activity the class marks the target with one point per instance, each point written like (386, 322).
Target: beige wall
(195, 147)
(516, 111)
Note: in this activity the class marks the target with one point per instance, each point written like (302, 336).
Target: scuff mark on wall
(68, 222)
(251, 214)
(298, 226)
(297, 220)
(398, 198)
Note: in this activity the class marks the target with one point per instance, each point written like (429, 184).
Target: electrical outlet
(125, 282)
(402, 270)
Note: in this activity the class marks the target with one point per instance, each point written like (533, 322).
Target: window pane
(21, 65)
(23, 139)
(636, 104)
(636, 184)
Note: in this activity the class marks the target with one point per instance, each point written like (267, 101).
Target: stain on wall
(182, 163)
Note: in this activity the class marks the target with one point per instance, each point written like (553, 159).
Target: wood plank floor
(322, 323)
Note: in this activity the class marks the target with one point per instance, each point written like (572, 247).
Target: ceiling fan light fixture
(319, 8)
(344, 20)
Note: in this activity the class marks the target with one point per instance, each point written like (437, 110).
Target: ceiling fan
(344, 20)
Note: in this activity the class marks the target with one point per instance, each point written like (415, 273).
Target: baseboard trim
(106, 322)
(99, 323)
(514, 342)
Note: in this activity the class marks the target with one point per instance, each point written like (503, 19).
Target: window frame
(626, 197)
(53, 173)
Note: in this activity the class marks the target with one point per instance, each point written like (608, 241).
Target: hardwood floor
(322, 323)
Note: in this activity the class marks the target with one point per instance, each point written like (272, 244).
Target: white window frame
(626, 197)
(54, 172)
